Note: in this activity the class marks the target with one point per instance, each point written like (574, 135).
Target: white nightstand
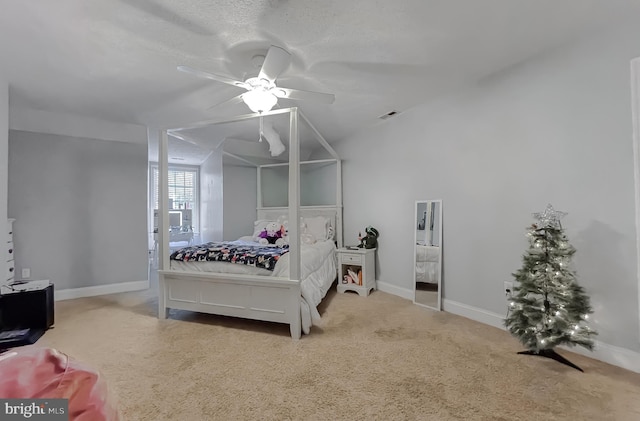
(359, 264)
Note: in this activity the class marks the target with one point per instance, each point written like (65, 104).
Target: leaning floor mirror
(427, 270)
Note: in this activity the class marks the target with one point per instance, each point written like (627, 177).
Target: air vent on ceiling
(176, 158)
(388, 115)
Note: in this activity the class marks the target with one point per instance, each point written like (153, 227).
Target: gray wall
(275, 187)
(80, 208)
(240, 201)
(557, 130)
(317, 185)
(317, 188)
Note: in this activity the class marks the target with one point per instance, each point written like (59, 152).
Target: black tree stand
(550, 353)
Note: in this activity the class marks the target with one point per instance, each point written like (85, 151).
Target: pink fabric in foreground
(45, 373)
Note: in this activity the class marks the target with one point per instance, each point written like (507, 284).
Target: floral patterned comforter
(240, 252)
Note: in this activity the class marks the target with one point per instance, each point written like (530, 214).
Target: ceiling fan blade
(275, 62)
(304, 95)
(233, 101)
(206, 75)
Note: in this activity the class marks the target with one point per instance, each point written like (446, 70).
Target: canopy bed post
(163, 218)
(294, 197)
(259, 187)
(339, 201)
(294, 206)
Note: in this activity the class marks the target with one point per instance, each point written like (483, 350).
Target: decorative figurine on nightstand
(369, 241)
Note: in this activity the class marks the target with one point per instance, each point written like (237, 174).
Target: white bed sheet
(427, 263)
(427, 253)
(219, 267)
(318, 270)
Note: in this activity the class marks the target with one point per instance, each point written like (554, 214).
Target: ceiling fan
(262, 93)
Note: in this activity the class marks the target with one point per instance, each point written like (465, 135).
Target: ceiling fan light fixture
(262, 93)
(259, 100)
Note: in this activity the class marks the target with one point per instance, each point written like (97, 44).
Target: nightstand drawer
(351, 258)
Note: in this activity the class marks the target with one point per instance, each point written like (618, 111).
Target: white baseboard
(395, 290)
(474, 313)
(611, 354)
(71, 293)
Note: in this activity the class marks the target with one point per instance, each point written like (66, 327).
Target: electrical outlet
(26, 273)
(508, 288)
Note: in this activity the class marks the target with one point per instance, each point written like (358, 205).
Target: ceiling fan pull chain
(261, 128)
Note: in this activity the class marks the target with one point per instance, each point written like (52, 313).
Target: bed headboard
(333, 213)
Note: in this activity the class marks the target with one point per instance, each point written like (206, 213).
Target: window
(183, 190)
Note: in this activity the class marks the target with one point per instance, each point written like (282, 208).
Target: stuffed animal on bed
(270, 234)
(284, 240)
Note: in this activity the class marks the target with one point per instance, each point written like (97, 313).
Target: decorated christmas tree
(548, 308)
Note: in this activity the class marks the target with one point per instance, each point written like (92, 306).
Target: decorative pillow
(306, 237)
(284, 221)
(313, 228)
(319, 227)
(258, 227)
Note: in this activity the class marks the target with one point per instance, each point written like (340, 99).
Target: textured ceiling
(116, 59)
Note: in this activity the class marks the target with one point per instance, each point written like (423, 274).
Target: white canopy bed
(285, 292)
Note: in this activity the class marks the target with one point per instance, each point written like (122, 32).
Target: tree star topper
(549, 218)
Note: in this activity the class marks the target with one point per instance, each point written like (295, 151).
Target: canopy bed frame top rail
(253, 297)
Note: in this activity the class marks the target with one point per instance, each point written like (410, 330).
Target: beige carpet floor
(374, 358)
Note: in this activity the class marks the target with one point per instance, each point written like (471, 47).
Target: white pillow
(282, 220)
(319, 227)
(306, 236)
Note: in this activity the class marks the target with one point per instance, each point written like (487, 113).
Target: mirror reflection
(428, 253)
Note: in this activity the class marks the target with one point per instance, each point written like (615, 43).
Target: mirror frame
(438, 307)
